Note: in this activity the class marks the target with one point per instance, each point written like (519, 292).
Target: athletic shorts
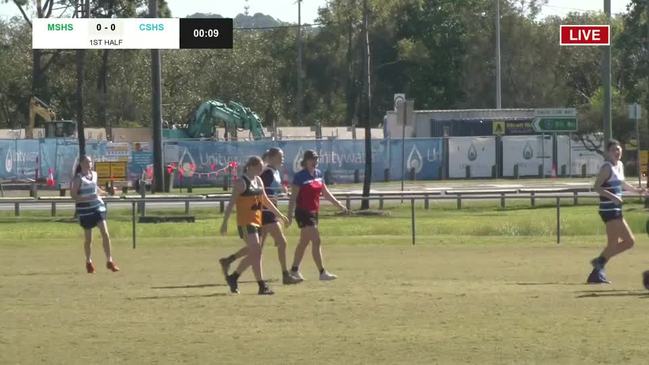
(92, 220)
(248, 229)
(268, 217)
(610, 215)
(304, 218)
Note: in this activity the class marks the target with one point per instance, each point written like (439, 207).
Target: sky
(286, 10)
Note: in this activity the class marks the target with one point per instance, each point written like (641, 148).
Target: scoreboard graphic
(131, 33)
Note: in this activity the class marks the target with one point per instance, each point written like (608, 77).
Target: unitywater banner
(477, 152)
(340, 160)
(20, 159)
(425, 156)
(32, 158)
(528, 153)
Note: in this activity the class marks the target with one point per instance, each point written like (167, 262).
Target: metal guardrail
(459, 195)
(348, 197)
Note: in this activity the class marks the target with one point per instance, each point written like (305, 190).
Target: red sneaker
(90, 268)
(112, 266)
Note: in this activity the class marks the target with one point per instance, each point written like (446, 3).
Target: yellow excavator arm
(38, 107)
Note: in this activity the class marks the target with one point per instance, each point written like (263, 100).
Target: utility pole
(367, 93)
(156, 84)
(299, 62)
(498, 81)
(606, 79)
(82, 11)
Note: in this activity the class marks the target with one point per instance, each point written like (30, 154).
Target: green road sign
(555, 124)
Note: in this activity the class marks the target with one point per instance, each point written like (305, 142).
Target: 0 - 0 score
(112, 27)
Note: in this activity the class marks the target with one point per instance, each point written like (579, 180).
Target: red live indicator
(585, 35)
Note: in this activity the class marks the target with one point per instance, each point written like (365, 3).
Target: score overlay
(131, 33)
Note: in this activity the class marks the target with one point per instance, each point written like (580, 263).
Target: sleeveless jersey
(272, 184)
(613, 185)
(249, 204)
(88, 189)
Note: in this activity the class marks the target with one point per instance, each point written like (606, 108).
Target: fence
(457, 195)
(341, 161)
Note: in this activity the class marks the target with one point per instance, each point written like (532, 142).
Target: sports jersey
(614, 186)
(88, 191)
(308, 197)
(249, 204)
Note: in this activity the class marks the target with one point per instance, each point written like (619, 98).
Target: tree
(40, 60)
(633, 44)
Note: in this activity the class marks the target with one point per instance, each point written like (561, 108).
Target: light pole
(498, 81)
(156, 85)
(606, 78)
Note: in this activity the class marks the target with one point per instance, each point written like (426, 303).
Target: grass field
(482, 285)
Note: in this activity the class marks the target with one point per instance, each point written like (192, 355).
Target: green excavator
(204, 120)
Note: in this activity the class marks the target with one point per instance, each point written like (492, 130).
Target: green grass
(482, 285)
(476, 218)
(496, 303)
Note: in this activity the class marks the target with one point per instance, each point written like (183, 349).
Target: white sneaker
(326, 275)
(297, 275)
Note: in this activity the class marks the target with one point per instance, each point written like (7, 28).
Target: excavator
(203, 121)
(53, 128)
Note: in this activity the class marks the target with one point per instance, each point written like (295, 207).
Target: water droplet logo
(9, 161)
(528, 152)
(472, 155)
(415, 160)
(186, 159)
(297, 161)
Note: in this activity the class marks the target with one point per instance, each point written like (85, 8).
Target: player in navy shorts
(609, 185)
(304, 206)
(274, 158)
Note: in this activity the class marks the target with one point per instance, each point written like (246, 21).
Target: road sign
(555, 120)
(585, 35)
(555, 124)
(111, 171)
(498, 127)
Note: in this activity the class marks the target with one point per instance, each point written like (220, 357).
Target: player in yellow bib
(249, 197)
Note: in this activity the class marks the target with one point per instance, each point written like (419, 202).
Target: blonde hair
(252, 161)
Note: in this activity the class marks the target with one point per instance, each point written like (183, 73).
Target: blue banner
(206, 162)
(340, 160)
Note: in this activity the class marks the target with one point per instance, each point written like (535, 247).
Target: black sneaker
(645, 279)
(597, 277)
(265, 290)
(232, 283)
